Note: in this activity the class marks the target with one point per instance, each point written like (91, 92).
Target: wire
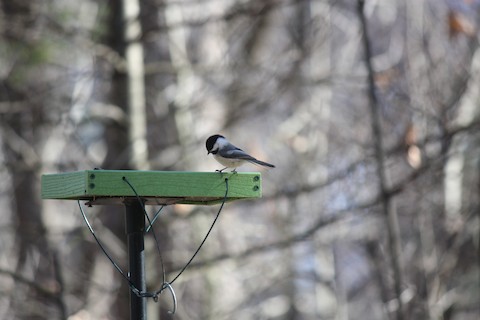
(154, 218)
(206, 236)
(165, 284)
(150, 223)
(132, 286)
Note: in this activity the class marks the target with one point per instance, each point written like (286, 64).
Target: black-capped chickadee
(229, 155)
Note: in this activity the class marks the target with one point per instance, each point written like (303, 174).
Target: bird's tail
(265, 164)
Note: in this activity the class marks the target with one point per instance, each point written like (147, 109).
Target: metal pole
(135, 227)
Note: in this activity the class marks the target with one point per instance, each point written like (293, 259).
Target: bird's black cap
(211, 141)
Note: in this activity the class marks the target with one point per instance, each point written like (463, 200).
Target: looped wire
(165, 285)
(168, 286)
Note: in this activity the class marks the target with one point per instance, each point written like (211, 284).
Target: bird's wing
(233, 152)
(236, 153)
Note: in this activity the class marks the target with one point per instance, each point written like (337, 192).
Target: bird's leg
(220, 171)
(234, 170)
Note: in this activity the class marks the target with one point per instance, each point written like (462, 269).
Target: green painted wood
(156, 187)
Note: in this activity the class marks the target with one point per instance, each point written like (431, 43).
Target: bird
(229, 155)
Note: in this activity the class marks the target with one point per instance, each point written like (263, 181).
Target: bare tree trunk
(320, 104)
(137, 113)
(31, 232)
(186, 84)
(387, 201)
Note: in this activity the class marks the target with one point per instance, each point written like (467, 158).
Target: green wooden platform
(155, 187)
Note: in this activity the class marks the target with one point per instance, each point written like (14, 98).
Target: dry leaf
(458, 24)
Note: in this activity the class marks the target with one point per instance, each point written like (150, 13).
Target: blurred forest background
(370, 111)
